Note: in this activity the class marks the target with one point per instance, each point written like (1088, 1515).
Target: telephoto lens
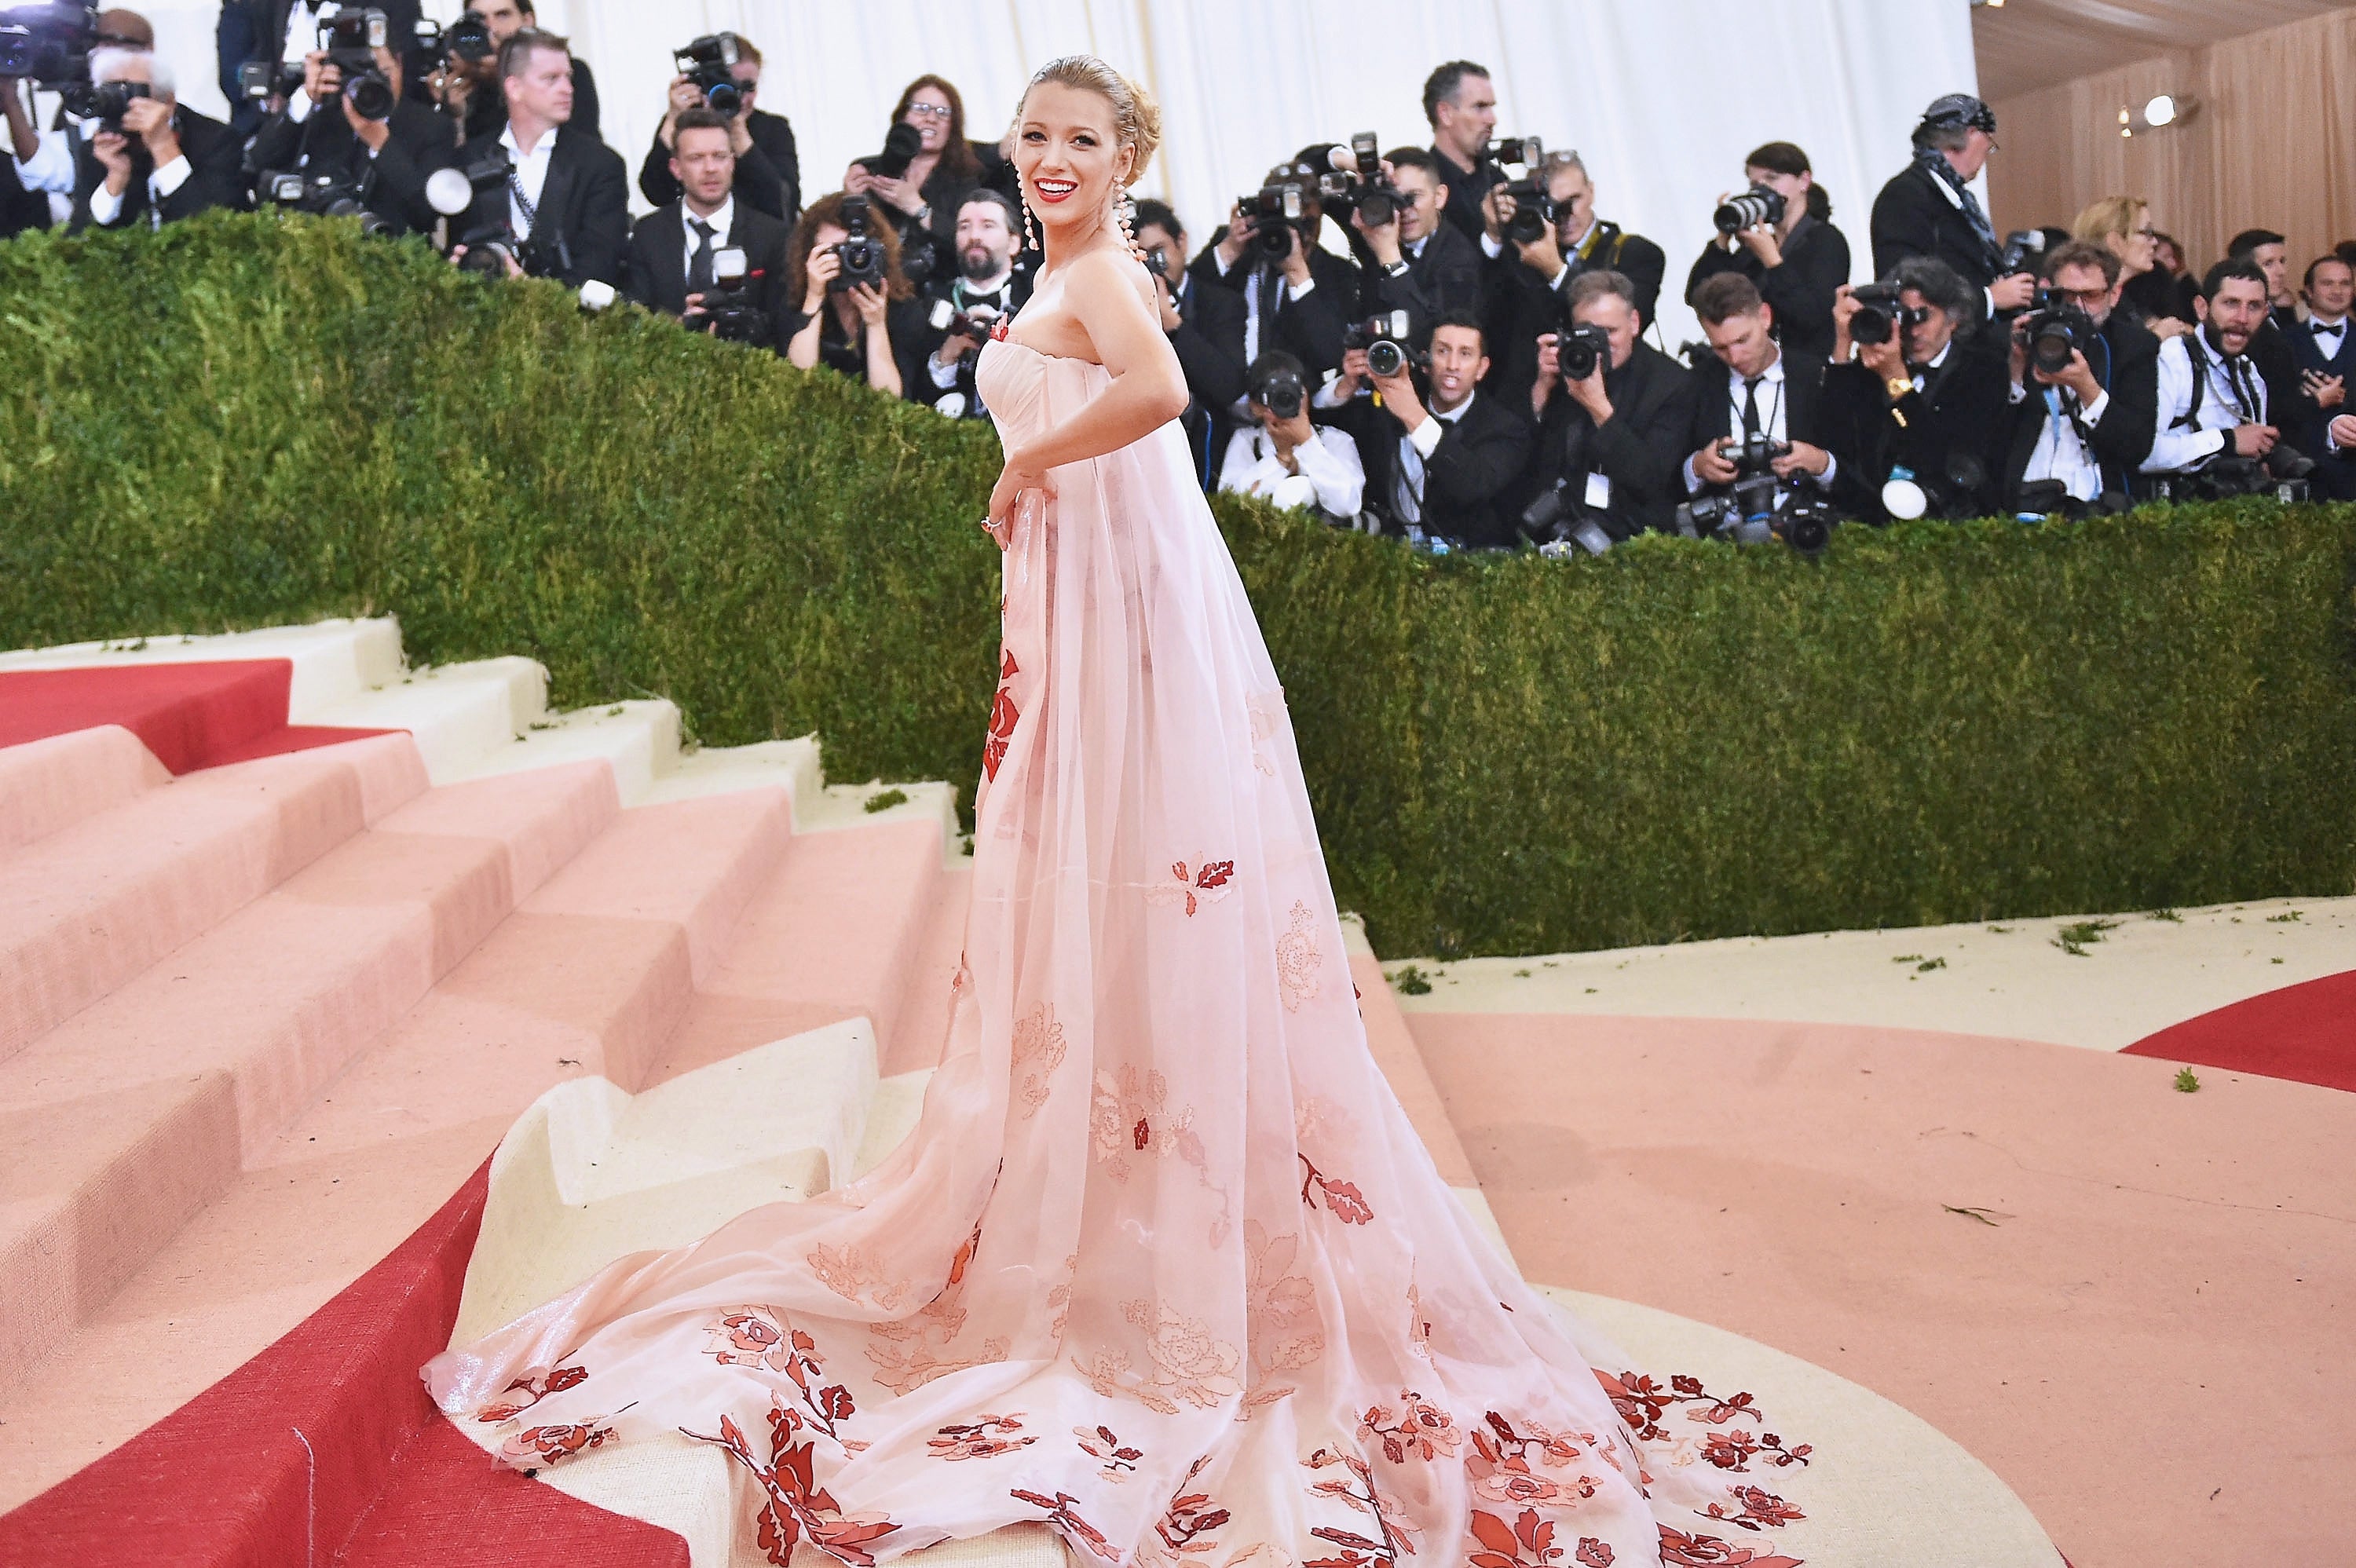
(1752, 208)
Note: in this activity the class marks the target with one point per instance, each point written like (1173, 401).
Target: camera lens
(370, 95)
(724, 97)
(1385, 359)
(1377, 209)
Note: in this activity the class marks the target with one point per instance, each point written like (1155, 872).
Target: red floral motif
(797, 1509)
(1209, 880)
(1343, 1199)
(1067, 1522)
(1642, 1402)
(526, 1391)
(1397, 1538)
(1592, 1554)
(984, 1439)
(1100, 1442)
(998, 332)
(1759, 1509)
(1510, 1465)
(1679, 1550)
(553, 1445)
(1421, 1430)
(1190, 1518)
(1002, 714)
(1527, 1542)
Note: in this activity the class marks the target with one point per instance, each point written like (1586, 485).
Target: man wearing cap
(1928, 208)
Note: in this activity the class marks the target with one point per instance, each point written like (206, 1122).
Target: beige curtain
(2273, 144)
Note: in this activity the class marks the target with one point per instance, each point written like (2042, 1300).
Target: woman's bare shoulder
(1106, 275)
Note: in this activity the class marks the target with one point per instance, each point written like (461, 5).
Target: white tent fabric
(1663, 97)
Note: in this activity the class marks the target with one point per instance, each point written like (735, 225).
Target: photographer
(468, 89)
(1609, 441)
(157, 162)
(563, 205)
(2086, 423)
(1920, 415)
(1792, 252)
(1446, 469)
(2325, 346)
(1928, 208)
(1755, 390)
(1441, 266)
(382, 163)
(768, 168)
(1301, 299)
(1283, 456)
(2212, 400)
(855, 321)
(1461, 105)
(920, 179)
(672, 259)
(1205, 328)
(983, 291)
(1530, 277)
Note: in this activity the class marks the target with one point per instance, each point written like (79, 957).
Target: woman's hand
(897, 194)
(824, 267)
(1023, 472)
(871, 304)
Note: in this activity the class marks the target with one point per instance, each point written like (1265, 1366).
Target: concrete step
(84, 908)
(49, 785)
(459, 713)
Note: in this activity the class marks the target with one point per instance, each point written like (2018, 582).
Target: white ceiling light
(2159, 113)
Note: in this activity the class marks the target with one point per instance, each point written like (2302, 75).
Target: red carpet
(2306, 1033)
(226, 1481)
(190, 715)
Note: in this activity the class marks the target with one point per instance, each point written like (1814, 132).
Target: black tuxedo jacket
(213, 151)
(1914, 217)
(1470, 481)
(655, 270)
(1447, 275)
(584, 204)
(1964, 412)
(1815, 265)
(920, 389)
(391, 184)
(19, 208)
(768, 174)
(1641, 449)
(1209, 342)
(1309, 329)
(2334, 476)
(2129, 371)
(1805, 418)
(1518, 306)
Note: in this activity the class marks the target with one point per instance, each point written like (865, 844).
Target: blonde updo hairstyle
(1136, 117)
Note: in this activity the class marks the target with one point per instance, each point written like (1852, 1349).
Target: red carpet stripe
(225, 1481)
(190, 715)
(2306, 1033)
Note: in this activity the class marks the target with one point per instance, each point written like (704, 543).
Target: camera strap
(523, 203)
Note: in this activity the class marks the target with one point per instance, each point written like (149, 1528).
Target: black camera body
(1879, 314)
(105, 103)
(258, 81)
(468, 39)
(492, 236)
(862, 254)
(350, 40)
(2055, 328)
(321, 195)
(1281, 208)
(902, 142)
(1581, 351)
(710, 63)
(1372, 192)
(975, 321)
(2285, 473)
(1385, 339)
(1752, 208)
(1283, 392)
(729, 311)
(2022, 249)
(1759, 506)
(48, 41)
(1559, 520)
(1534, 211)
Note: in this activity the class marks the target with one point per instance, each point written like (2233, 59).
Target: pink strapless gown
(1164, 1265)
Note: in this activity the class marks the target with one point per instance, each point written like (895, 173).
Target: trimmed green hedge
(249, 421)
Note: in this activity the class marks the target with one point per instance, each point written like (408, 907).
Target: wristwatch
(1898, 386)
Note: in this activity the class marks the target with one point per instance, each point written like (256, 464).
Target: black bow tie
(2320, 330)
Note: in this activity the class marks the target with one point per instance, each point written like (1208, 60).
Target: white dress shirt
(2330, 334)
(1416, 445)
(1330, 462)
(721, 223)
(531, 172)
(1251, 306)
(2061, 452)
(301, 32)
(106, 208)
(2235, 395)
(1773, 423)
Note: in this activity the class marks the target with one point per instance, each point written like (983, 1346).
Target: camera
(1158, 264)
(1281, 208)
(710, 63)
(1376, 197)
(2055, 329)
(258, 81)
(862, 254)
(2282, 473)
(1282, 393)
(350, 40)
(2022, 247)
(973, 321)
(1533, 206)
(319, 193)
(1878, 313)
(468, 38)
(1384, 337)
(482, 187)
(104, 104)
(1752, 208)
(48, 41)
(902, 142)
(1558, 520)
(1580, 350)
(729, 310)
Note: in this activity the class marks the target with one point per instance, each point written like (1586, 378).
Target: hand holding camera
(2015, 293)
(825, 267)
(2255, 439)
(151, 122)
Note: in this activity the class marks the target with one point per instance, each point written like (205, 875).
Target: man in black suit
(1926, 406)
(162, 163)
(1928, 208)
(1608, 443)
(385, 162)
(2272, 351)
(1440, 268)
(674, 253)
(984, 290)
(565, 201)
(1303, 297)
(2325, 345)
(2086, 427)
(1460, 104)
(1756, 388)
(1205, 327)
(1528, 282)
(1446, 467)
(768, 167)
(470, 90)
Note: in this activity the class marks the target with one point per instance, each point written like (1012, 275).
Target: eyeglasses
(2146, 231)
(2085, 296)
(932, 111)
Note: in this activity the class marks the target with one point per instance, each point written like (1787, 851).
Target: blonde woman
(2121, 225)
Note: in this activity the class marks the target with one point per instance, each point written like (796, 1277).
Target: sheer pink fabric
(1164, 1265)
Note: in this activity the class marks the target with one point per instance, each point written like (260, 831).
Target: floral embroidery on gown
(1164, 1265)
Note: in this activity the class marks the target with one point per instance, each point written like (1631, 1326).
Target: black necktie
(700, 276)
(1750, 407)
